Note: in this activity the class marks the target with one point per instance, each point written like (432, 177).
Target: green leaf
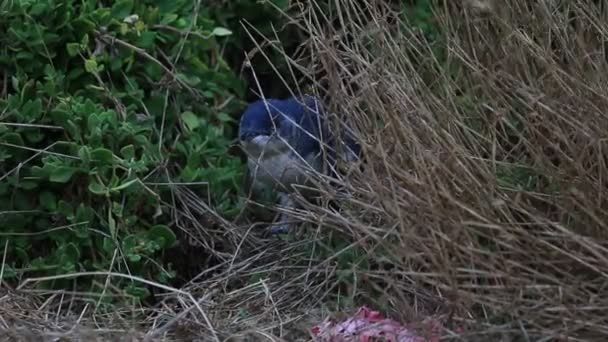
(154, 71)
(121, 9)
(170, 6)
(111, 224)
(194, 160)
(137, 291)
(84, 42)
(70, 254)
(48, 201)
(93, 121)
(191, 80)
(15, 83)
(224, 117)
(146, 40)
(128, 152)
(73, 49)
(22, 254)
(191, 120)
(65, 208)
(12, 138)
(84, 154)
(134, 257)
(189, 174)
(221, 32)
(141, 139)
(38, 9)
(109, 116)
(163, 234)
(84, 25)
(62, 174)
(97, 188)
(24, 55)
(129, 243)
(34, 137)
(108, 245)
(75, 73)
(102, 155)
(32, 109)
(116, 64)
(27, 185)
(90, 65)
(169, 18)
(84, 213)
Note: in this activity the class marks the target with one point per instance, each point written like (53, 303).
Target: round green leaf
(97, 188)
(69, 253)
(73, 49)
(191, 120)
(121, 9)
(62, 174)
(90, 65)
(128, 152)
(102, 155)
(163, 234)
(13, 138)
(137, 291)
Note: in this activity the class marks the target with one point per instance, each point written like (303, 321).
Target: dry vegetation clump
(485, 182)
(482, 196)
(26, 317)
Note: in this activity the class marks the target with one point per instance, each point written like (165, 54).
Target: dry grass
(486, 181)
(483, 194)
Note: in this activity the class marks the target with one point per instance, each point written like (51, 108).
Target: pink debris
(367, 325)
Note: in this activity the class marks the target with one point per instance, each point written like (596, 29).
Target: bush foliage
(104, 106)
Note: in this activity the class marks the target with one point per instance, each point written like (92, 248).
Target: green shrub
(101, 107)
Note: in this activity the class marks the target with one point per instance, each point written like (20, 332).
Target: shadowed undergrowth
(482, 195)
